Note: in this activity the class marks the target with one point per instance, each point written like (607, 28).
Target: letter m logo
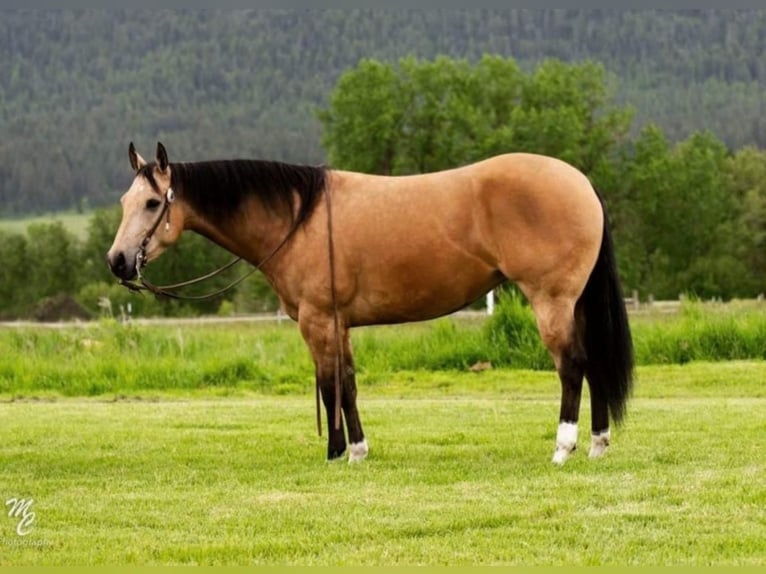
(19, 508)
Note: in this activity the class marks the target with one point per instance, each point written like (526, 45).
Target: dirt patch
(60, 308)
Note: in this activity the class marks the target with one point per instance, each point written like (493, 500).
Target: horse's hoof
(566, 442)
(562, 453)
(357, 451)
(333, 455)
(599, 444)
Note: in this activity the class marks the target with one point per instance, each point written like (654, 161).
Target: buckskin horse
(344, 249)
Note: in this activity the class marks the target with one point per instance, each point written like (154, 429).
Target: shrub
(512, 332)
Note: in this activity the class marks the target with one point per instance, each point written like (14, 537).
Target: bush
(512, 332)
(702, 333)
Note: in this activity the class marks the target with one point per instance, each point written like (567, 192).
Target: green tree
(102, 227)
(437, 114)
(364, 120)
(745, 238)
(681, 209)
(53, 259)
(566, 111)
(15, 295)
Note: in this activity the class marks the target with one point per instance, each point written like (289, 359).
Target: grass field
(458, 473)
(171, 444)
(76, 223)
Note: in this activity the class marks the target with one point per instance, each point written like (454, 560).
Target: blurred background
(664, 110)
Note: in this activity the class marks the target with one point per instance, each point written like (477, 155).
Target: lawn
(458, 473)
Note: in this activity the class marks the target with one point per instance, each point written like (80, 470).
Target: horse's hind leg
(600, 436)
(556, 322)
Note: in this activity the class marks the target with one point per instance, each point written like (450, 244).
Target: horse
(343, 249)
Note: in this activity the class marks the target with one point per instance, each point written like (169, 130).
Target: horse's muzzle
(121, 266)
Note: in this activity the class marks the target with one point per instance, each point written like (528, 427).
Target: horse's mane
(216, 189)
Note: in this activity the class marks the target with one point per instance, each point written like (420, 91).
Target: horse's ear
(136, 161)
(162, 157)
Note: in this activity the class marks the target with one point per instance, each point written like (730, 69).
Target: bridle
(144, 284)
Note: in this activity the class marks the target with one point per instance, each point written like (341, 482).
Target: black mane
(216, 189)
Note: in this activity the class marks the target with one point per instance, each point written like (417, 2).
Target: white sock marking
(599, 443)
(566, 442)
(357, 451)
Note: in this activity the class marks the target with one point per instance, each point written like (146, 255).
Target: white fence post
(491, 302)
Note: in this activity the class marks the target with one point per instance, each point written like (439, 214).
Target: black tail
(608, 343)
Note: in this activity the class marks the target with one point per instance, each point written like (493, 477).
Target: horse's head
(151, 220)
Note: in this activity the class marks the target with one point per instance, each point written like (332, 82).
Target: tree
(425, 116)
(682, 212)
(364, 120)
(566, 111)
(53, 260)
(745, 237)
(15, 295)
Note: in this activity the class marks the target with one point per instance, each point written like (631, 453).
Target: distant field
(76, 223)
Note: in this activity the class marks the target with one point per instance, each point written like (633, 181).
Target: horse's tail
(607, 338)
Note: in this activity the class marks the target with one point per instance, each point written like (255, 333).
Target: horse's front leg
(357, 443)
(319, 333)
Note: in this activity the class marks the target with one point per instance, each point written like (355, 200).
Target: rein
(168, 290)
(336, 320)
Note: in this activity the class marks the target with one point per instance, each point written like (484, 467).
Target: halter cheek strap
(165, 212)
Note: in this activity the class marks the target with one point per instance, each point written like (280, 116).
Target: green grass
(197, 445)
(76, 223)
(458, 473)
(104, 358)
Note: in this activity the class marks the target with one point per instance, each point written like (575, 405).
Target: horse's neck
(254, 235)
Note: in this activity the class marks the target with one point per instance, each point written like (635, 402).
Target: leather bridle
(169, 290)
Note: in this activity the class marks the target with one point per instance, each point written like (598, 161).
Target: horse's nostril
(116, 262)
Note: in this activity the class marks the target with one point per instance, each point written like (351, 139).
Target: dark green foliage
(77, 86)
(434, 115)
(416, 90)
(49, 262)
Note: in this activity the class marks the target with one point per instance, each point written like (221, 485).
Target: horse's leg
(318, 332)
(357, 443)
(556, 322)
(600, 436)
(599, 410)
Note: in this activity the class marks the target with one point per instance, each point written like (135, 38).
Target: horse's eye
(152, 204)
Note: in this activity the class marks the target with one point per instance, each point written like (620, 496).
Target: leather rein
(168, 290)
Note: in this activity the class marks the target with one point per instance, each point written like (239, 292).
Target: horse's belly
(404, 293)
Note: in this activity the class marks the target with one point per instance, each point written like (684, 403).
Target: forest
(662, 110)
(77, 85)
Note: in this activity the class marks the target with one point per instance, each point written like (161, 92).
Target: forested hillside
(77, 86)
